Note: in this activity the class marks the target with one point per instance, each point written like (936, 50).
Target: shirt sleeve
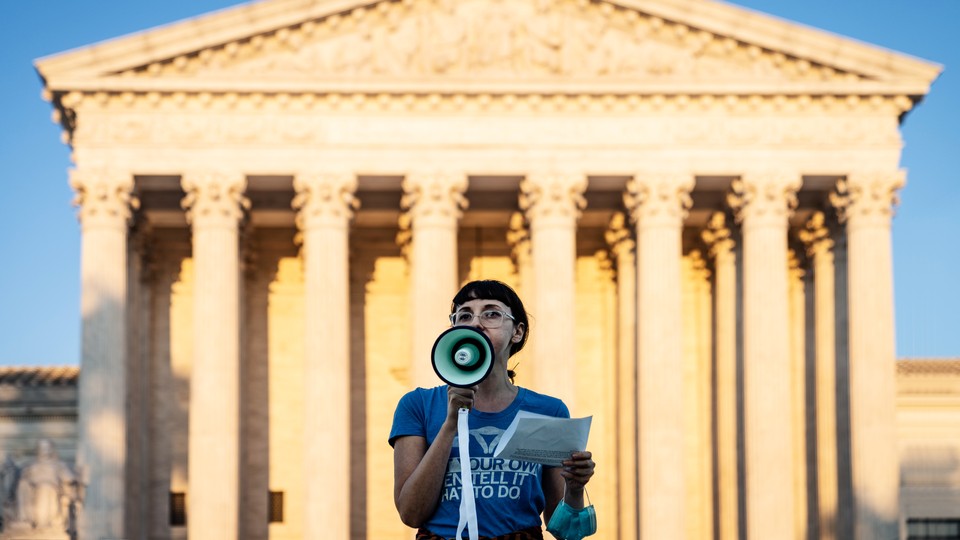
(409, 418)
(562, 410)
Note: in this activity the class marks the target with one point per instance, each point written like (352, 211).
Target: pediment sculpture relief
(527, 39)
(40, 496)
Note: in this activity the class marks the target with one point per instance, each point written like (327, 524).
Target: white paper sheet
(543, 439)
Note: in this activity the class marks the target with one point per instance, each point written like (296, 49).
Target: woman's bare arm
(418, 470)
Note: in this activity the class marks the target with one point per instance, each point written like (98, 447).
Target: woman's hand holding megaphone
(458, 398)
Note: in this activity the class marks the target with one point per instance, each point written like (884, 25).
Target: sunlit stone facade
(278, 202)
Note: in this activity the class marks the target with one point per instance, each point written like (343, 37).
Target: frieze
(517, 38)
(239, 130)
(268, 120)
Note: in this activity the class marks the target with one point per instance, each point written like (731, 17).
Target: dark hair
(491, 289)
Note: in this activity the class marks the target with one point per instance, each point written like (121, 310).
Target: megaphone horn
(462, 356)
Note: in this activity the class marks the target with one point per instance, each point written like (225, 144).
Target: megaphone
(462, 356)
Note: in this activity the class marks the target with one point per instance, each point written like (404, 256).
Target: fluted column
(657, 203)
(698, 394)
(552, 203)
(433, 203)
(845, 506)
(325, 203)
(719, 239)
(819, 245)
(870, 197)
(518, 238)
(622, 246)
(798, 384)
(105, 202)
(214, 205)
(704, 389)
(763, 202)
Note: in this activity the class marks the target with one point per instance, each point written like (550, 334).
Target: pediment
(433, 44)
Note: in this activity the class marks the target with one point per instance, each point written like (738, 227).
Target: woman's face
(502, 338)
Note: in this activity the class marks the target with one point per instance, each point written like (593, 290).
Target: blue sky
(39, 234)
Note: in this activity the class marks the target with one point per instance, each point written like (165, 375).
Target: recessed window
(276, 507)
(933, 529)
(178, 508)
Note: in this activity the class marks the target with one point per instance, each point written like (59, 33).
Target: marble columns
(622, 245)
(215, 204)
(433, 204)
(105, 202)
(870, 196)
(763, 201)
(552, 203)
(819, 245)
(798, 382)
(325, 204)
(518, 238)
(719, 240)
(657, 203)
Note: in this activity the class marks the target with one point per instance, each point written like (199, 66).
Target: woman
(510, 495)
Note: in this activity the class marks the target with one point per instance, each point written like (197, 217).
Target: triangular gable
(646, 46)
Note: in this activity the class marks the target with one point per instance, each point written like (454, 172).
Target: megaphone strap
(468, 506)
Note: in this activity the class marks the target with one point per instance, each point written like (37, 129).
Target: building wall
(928, 422)
(928, 412)
(35, 404)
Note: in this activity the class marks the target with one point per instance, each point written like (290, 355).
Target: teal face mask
(569, 524)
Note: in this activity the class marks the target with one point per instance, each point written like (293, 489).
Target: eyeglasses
(491, 318)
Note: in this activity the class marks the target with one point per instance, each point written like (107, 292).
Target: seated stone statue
(43, 483)
(9, 475)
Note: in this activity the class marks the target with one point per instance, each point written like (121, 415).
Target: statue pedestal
(17, 531)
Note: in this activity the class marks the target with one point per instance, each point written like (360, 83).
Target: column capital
(618, 236)
(434, 196)
(214, 198)
(548, 195)
(518, 238)
(795, 264)
(104, 197)
(324, 198)
(816, 236)
(868, 196)
(431, 199)
(698, 264)
(659, 197)
(764, 197)
(717, 235)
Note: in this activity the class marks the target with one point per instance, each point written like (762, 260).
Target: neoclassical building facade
(278, 201)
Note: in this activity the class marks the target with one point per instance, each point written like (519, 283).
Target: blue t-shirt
(508, 493)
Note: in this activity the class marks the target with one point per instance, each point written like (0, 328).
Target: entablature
(524, 55)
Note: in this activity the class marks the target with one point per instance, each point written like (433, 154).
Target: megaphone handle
(468, 506)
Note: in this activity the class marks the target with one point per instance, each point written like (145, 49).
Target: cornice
(669, 52)
(504, 86)
(921, 367)
(399, 100)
